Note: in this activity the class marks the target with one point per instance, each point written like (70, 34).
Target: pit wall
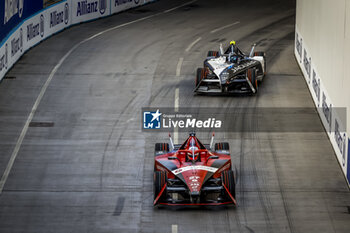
(24, 23)
(322, 49)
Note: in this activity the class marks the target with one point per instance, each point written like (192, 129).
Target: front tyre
(160, 179)
(252, 76)
(199, 76)
(228, 179)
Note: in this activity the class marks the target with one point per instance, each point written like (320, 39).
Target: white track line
(177, 7)
(178, 67)
(43, 90)
(192, 44)
(174, 228)
(223, 27)
(176, 102)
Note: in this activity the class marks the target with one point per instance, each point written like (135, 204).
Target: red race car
(193, 173)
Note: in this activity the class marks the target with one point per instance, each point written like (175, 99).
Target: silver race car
(231, 71)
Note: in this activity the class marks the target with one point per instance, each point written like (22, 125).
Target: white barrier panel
(85, 10)
(14, 47)
(121, 5)
(57, 17)
(34, 30)
(333, 121)
(4, 59)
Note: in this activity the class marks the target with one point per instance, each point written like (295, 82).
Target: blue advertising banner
(12, 12)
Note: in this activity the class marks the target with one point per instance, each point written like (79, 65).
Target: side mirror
(212, 157)
(174, 158)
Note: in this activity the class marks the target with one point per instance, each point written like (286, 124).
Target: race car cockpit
(233, 53)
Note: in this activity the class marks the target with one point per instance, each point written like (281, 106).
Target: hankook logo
(103, 6)
(21, 39)
(42, 26)
(66, 13)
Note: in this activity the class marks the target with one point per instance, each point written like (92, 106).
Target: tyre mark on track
(266, 207)
(254, 126)
(110, 137)
(119, 207)
(242, 173)
(281, 190)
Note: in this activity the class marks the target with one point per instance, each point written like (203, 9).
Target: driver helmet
(193, 155)
(233, 46)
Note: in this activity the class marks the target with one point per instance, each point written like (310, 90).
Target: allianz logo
(59, 17)
(87, 7)
(12, 8)
(4, 59)
(35, 29)
(17, 43)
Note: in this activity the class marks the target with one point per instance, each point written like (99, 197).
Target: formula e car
(193, 173)
(231, 71)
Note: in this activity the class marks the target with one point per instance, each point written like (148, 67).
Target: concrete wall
(322, 48)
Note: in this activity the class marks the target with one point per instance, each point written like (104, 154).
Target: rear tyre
(220, 146)
(263, 55)
(199, 76)
(160, 179)
(228, 179)
(259, 54)
(161, 148)
(213, 54)
(252, 76)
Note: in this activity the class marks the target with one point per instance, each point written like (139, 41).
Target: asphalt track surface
(89, 168)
